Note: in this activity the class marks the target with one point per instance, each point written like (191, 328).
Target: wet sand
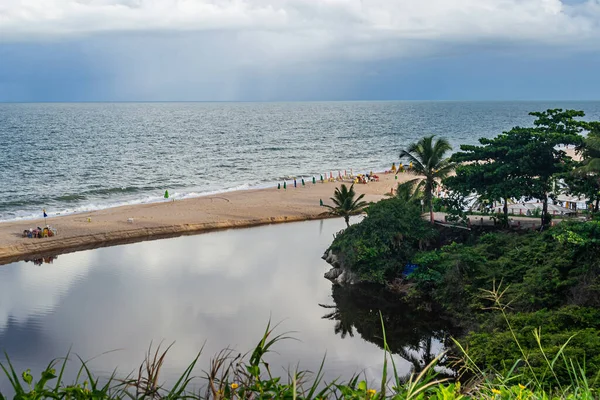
(182, 217)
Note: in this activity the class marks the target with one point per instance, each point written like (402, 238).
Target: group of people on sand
(401, 167)
(370, 177)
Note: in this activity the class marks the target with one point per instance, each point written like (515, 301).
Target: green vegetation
(248, 376)
(523, 162)
(378, 248)
(428, 162)
(346, 203)
(527, 303)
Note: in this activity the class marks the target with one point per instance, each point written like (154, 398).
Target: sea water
(74, 157)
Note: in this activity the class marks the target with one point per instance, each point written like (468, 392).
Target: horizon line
(300, 101)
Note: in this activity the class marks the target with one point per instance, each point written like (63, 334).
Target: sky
(297, 50)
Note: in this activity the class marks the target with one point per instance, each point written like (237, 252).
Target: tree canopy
(522, 162)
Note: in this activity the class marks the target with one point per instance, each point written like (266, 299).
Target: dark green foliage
(549, 280)
(559, 266)
(522, 162)
(585, 178)
(379, 246)
(579, 326)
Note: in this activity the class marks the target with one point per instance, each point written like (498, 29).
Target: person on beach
(295, 182)
(393, 167)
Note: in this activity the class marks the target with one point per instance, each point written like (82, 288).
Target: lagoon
(208, 291)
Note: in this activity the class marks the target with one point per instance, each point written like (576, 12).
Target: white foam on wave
(148, 199)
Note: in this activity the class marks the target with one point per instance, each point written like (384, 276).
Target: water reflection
(215, 290)
(43, 260)
(415, 332)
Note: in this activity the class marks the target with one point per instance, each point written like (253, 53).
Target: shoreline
(153, 221)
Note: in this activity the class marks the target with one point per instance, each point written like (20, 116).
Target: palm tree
(345, 203)
(427, 158)
(409, 192)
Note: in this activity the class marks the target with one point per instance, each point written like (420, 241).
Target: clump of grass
(233, 375)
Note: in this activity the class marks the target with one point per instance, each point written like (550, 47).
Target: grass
(247, 376)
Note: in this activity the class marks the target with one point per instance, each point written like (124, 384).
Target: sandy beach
(243, 208)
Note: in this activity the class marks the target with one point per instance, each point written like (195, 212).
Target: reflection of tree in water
(411, 329)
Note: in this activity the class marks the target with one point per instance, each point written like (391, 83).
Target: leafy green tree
(346, 203)
(585, 179)
(522, 162)
(488, 170)
(540, 160)
(428, 161)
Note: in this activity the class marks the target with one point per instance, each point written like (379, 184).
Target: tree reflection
(412, 330)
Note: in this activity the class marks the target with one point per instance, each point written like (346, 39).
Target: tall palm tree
(345, 203)
(428, 161)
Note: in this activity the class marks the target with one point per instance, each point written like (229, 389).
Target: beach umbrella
(278, 186)
(321, 202)
(314, 180)
(166, 194)
(321, 178)
(340, 174)
(330, 175)
(302, 181)
(284, 185)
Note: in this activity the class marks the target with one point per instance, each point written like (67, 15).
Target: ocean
(76, 157)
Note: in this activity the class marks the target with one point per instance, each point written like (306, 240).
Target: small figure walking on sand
(295, 182)
(303, 182)
(284, 185)
(393, 167)
(278, 186)
(314, 180)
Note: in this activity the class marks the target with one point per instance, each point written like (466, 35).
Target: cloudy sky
(153, 50)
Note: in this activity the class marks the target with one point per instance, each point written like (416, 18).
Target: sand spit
(129, 224)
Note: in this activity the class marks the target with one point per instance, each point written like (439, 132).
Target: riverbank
(136, 223)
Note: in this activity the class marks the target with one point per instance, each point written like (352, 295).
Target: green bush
(380, 245)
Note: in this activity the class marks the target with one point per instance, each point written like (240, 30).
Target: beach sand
(174, 218)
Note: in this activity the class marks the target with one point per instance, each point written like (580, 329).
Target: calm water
(217, 289)
(77, 157)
